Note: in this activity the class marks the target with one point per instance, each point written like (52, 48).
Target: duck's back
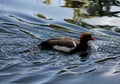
(64, 44)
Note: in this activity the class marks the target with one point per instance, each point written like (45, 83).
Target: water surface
(26, 23)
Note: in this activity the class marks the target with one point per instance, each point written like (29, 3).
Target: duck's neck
(83, 46)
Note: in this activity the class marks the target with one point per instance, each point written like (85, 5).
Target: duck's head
(85, 37)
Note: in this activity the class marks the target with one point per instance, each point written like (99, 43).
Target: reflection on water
(26, 23)
(87, 12)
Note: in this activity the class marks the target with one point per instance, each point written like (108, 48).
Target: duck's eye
(89, 36)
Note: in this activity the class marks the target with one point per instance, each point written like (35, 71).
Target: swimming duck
(67, 44)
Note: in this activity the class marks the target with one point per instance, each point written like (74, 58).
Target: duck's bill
(93, 38)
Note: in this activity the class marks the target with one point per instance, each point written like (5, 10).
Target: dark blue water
(26, 23)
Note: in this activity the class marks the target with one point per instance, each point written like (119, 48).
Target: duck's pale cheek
(62, 48)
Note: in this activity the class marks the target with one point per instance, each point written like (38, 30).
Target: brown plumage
(67, 44)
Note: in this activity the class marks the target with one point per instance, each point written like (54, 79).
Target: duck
(67, 44)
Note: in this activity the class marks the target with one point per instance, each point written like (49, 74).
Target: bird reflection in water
(84, 56)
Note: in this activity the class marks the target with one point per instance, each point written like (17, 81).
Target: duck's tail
(45, 45)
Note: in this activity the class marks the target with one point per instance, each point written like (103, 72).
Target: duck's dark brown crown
(85, 37)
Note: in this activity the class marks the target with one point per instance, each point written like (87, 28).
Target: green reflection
(59, 27)
(87, 9)
(74, 3)
(91, 7)
(48, 2)
(41, 16)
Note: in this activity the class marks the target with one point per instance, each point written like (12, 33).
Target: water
(26, 23)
